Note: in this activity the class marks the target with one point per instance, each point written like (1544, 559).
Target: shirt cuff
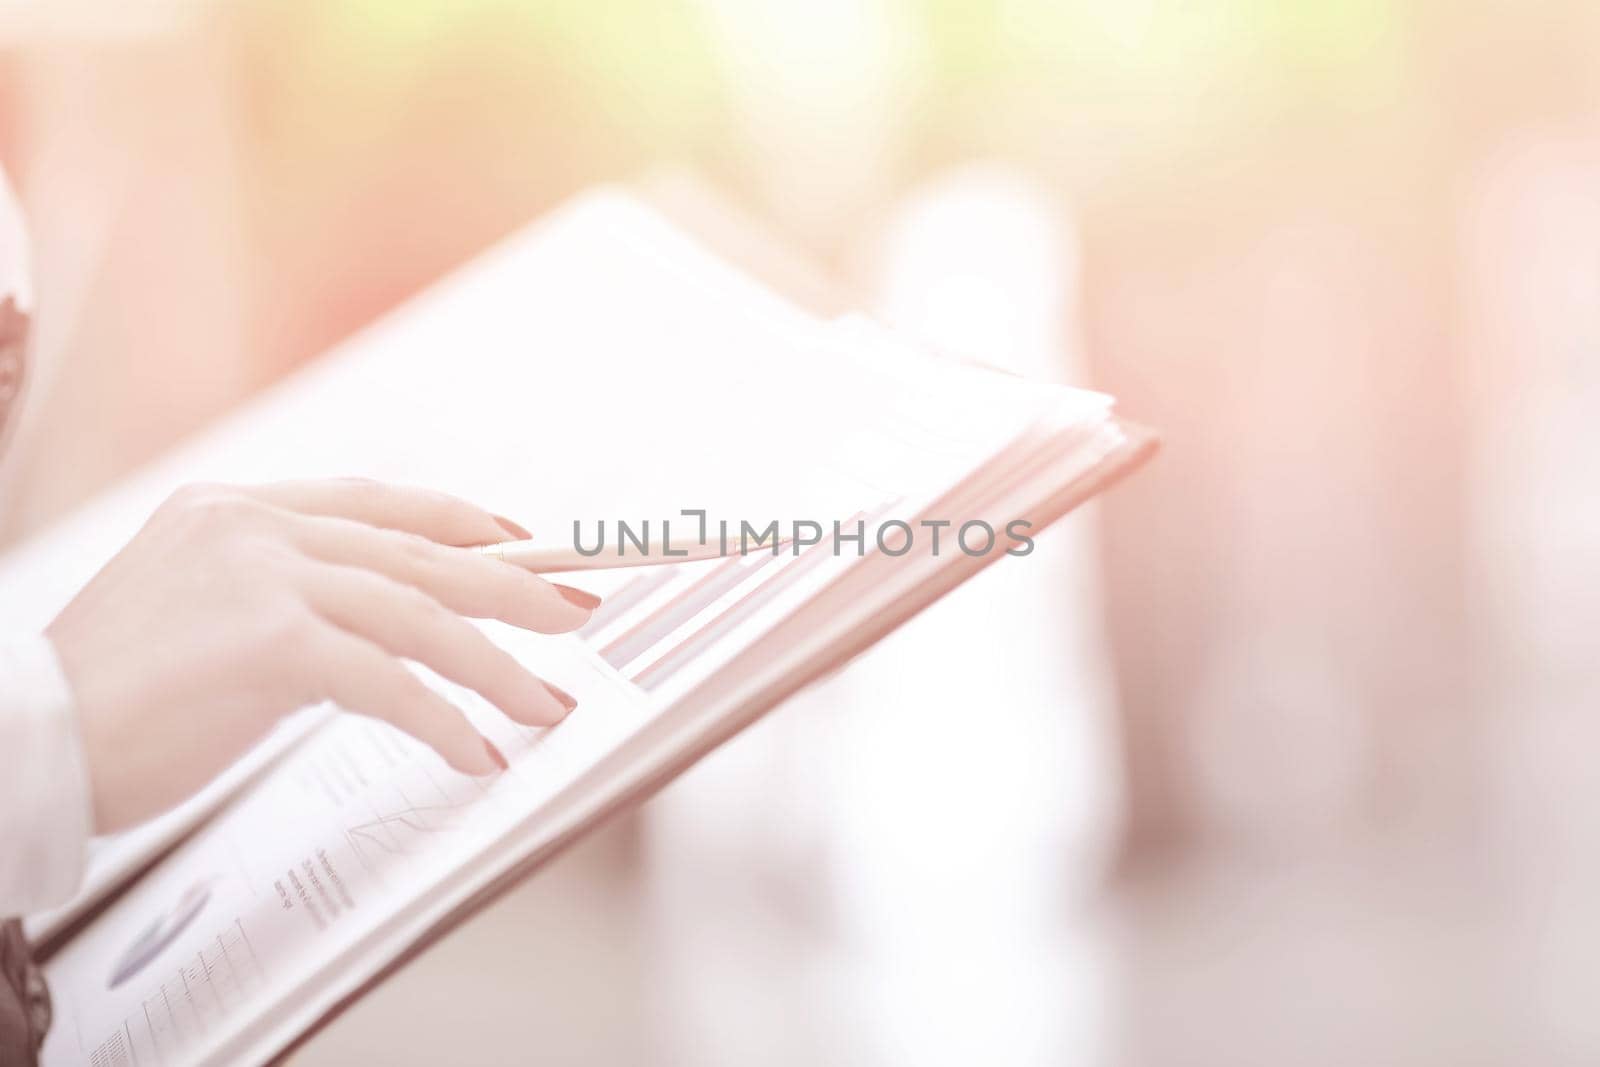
(46, 813)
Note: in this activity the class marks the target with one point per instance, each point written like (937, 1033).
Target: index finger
(440, 517)
(468, 583)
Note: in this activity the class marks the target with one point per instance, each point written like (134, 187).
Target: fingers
(407, 623)
(437, 516)
(463, 581)
(363, 678)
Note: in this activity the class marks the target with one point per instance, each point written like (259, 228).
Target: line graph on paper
(402, 823)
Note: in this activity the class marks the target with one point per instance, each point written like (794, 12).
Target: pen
(539, 559)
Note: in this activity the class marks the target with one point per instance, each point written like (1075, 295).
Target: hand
(234, 606)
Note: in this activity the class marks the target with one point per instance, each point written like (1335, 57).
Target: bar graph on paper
(660, 621)
(191, 1000)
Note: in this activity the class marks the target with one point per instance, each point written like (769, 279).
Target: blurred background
(1289, 755)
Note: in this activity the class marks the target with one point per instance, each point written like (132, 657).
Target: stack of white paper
(599, 366)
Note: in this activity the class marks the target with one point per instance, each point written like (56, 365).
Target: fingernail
(496, 755)
(514, 529)
(577, 597)
(568, 701)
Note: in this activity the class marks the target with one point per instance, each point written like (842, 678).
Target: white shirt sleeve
(46, 812)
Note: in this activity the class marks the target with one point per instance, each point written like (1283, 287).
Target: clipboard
(1139, 446)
